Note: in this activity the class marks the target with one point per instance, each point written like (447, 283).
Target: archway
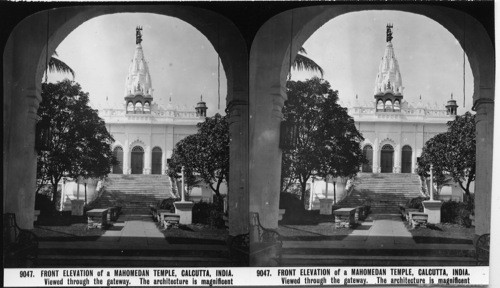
(118, 153)
(406, 155)
(137, 160)
(24, 59)
(156, 160)
(368, 153)
(386, 159)
(277, 43)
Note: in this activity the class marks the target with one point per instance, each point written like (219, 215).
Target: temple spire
(138, 35)
(388, 32)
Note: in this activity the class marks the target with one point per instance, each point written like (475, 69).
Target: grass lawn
(442, 233)
(65, 228)
(195, 234)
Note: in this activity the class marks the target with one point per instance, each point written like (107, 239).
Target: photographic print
(248, 143)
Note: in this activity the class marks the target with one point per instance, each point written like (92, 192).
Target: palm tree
(303, 62)
(56, 65)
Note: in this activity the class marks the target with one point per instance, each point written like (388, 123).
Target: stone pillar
(126, 158)
(484, 163)
(265, 155)
(238, 196)
(147, 160)
(376, 156)
(397, 159)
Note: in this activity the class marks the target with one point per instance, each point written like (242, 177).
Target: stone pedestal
(325, 206)
(345, 217)
(77, 207)
(97, 218)
(433, 209)
(185, 210)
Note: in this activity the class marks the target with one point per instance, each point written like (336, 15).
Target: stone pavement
(134, 231)
(383, 231)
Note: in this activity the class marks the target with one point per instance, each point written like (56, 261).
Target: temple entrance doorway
(137, 160)
(368, 153)
(118, 153)
(156, 161)
(406, 159)
(387, 159)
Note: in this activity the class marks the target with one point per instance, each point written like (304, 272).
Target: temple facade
(395, 130)
(145, 132)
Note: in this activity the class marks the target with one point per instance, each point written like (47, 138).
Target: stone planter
(185, 210)
(325, 206)
(433, 209)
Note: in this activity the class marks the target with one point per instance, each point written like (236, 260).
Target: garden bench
(407, 213)
(418, 219)
(265, 244)
(20, 247)
(97, 218)
(113, 213)
(169, 220)
(345, 217)
(483, 250)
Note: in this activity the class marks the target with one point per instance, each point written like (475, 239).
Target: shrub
(416, 203)
(168, 204)
(457, 213)
(44, 204)
(208, 213)
(293, 206)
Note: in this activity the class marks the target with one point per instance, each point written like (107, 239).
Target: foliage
(328, 142)
(208, 213)
(457, 213)
(204, 154)
(168, 204)
(57, 65)
(80, 145)
(416, 203)
(452, 153)
(303, 62)
(293, 205)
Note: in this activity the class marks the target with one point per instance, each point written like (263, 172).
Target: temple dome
(138, 81)
(388, 78)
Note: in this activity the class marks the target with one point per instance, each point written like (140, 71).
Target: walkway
(132, 241)
(382, 239)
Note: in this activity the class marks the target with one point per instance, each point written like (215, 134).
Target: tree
(80, 145)
(204, 154)
(328, 142)
(57, 65)
(303, 62)
(452, 153)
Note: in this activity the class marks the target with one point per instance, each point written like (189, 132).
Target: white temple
(395, 130)
(145, 133)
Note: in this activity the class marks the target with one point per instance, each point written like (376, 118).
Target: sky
(349, 48)
(182, 62)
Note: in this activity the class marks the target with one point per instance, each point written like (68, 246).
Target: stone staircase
(383, 192)
(134, 193)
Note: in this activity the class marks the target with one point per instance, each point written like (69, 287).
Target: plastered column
(484, 164)
(21, 157)
(238, 198)
(126, 157)
(147, 160)
(376, 156)
(397, 159)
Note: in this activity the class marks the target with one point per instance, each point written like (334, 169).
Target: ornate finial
(356, 96)
(420, 96)
(389, 32)
(169, 99)
(451, 96)
(201, 98)
(138, 35)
